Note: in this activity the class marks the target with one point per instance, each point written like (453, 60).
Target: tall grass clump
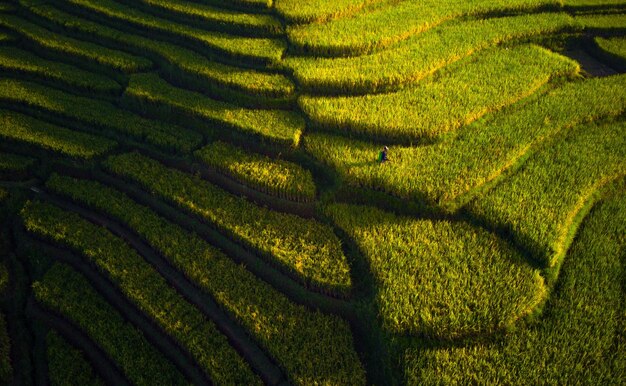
(448, 174)
(579, 339)
(440, 279)
(455, 97)
(317, 11)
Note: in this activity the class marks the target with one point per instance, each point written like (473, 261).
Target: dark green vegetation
(189, 192)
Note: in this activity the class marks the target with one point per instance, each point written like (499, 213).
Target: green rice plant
(384, 26)
(21, 128)
(97, 113)
(14, 163)
(558, 183)
(419, 56)
(324, 353)
(25, 63)
(613, 50)
(605, 23)
(6, 369)
(181, 64)
(440, 279)
(576, 341)
(457, 96)
(317, 11)
(305, 247)
(214, 17)
(448, 174)
(72, 49)
(6, 38)
(3, 194)
(143, 286)
(592, 3)
(66, 292)
(66, 365)
(149, 93)
(272, 176)
(261, 50)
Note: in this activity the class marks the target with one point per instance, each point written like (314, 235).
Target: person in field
(382, 155)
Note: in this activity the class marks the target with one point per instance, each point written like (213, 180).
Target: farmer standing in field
(382, 156)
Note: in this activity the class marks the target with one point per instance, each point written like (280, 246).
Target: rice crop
(579, 339)
(21, 128)
(214, 17)
(66, 292)
(419, 56)
(100, 114)
(67, 365)
(448, 174)
(557, 183)
(613, 50)
(440, 279)
(16, 163)
(272, 176)
(73, 49)
(25, 63)
(185, 66)
(324, 354)
(145, 287)
(317, 11)
(385, 26)
(458, 95)
(260, 50)
(304, 247)
(150, 93)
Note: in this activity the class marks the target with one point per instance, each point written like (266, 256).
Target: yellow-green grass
(72, 49)
(272, 176)
(6, 368)
(66, 365)
(419, 56)
(215, 18)
(540, 206)
(184, 65)
(440, 279)
(152, 94)
(305, 247)
(324, 353)
(17, 163)
(317, 11)
(579, 339)
(27, 64)
(605, 23)
(380, 28)
(592, 3)
(613, 50)
(6, 38)
(100, 114)
(3, 194)
(69, 294)
(256, 50)
(448, 174)
(23, 129)
(144, 286)
(456, 97)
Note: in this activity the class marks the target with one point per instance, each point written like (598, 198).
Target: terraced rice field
(190, 192)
